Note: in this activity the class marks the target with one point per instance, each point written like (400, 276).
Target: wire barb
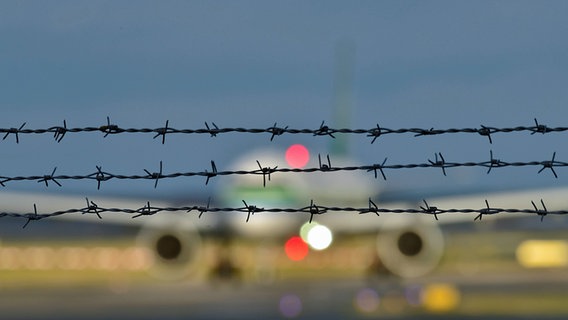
(265, 171)
(14, 131)
(485, 131)
(550, 165)
(91, 208)
(211, 174)
(162, 132)
(372, 208)
(314, 209)
(430, 132)
(146, 210)
(31, 217)
(202, 210)
(379, 167)
(542, 213)
(155, 175)
(494, 163)
(323, 166)
(375, 133)
(100, 177)
(430, 210)
(251, 210)
(324, 131)
(485, 211)
(441, 163)
(212, 132)
(59, 132)
(276, 131)
(539, 128)
(49, 177)
(110, 128)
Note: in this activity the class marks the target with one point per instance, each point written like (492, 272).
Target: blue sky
(251, 63)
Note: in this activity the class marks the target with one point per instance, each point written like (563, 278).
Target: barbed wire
(439, 161)
(312, 210)
(59, 132)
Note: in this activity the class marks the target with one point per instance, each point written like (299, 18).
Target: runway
(496, 296)
(480, 277)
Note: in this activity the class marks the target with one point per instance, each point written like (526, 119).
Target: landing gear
(224, 269)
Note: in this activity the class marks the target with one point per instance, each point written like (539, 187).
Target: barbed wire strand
(439, 161)
(59, 132)
(312, 210)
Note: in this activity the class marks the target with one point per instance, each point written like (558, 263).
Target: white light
(306, 228)
(319, 237)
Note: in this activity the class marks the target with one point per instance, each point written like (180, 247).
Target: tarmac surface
(497, 296)
(478, 279)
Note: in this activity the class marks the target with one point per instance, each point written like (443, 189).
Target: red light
(296, 249)
(297, 156)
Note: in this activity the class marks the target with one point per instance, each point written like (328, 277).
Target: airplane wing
(174, 239)
(408, 244)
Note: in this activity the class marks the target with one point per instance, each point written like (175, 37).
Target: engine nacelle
(411, 250)
(175, 244)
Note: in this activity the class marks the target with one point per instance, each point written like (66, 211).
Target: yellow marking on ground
(543, 253)
(440, 297)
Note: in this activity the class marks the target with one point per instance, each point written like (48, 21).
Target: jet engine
(410, 250)
(175, 245)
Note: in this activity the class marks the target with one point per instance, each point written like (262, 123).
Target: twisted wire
(101, 176)
(59, 132)
(312, 210)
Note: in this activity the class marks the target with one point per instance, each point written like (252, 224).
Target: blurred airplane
(406, 245)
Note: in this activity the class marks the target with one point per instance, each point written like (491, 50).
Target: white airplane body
(408, 244)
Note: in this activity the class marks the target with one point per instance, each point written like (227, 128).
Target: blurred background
(251, 64)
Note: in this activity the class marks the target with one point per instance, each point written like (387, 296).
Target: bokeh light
(319, 237)
(413, 295)
(440, 297)
(290, 306)
(367, 300)
(296, 249)
(305, 229)
(297, 156)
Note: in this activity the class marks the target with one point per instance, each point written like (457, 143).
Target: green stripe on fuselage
(273, 195)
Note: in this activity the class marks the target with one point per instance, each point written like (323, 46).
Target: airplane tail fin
(343, 95)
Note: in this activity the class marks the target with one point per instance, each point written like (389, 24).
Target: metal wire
(439, 161)
(59, 132)
(312, 210)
